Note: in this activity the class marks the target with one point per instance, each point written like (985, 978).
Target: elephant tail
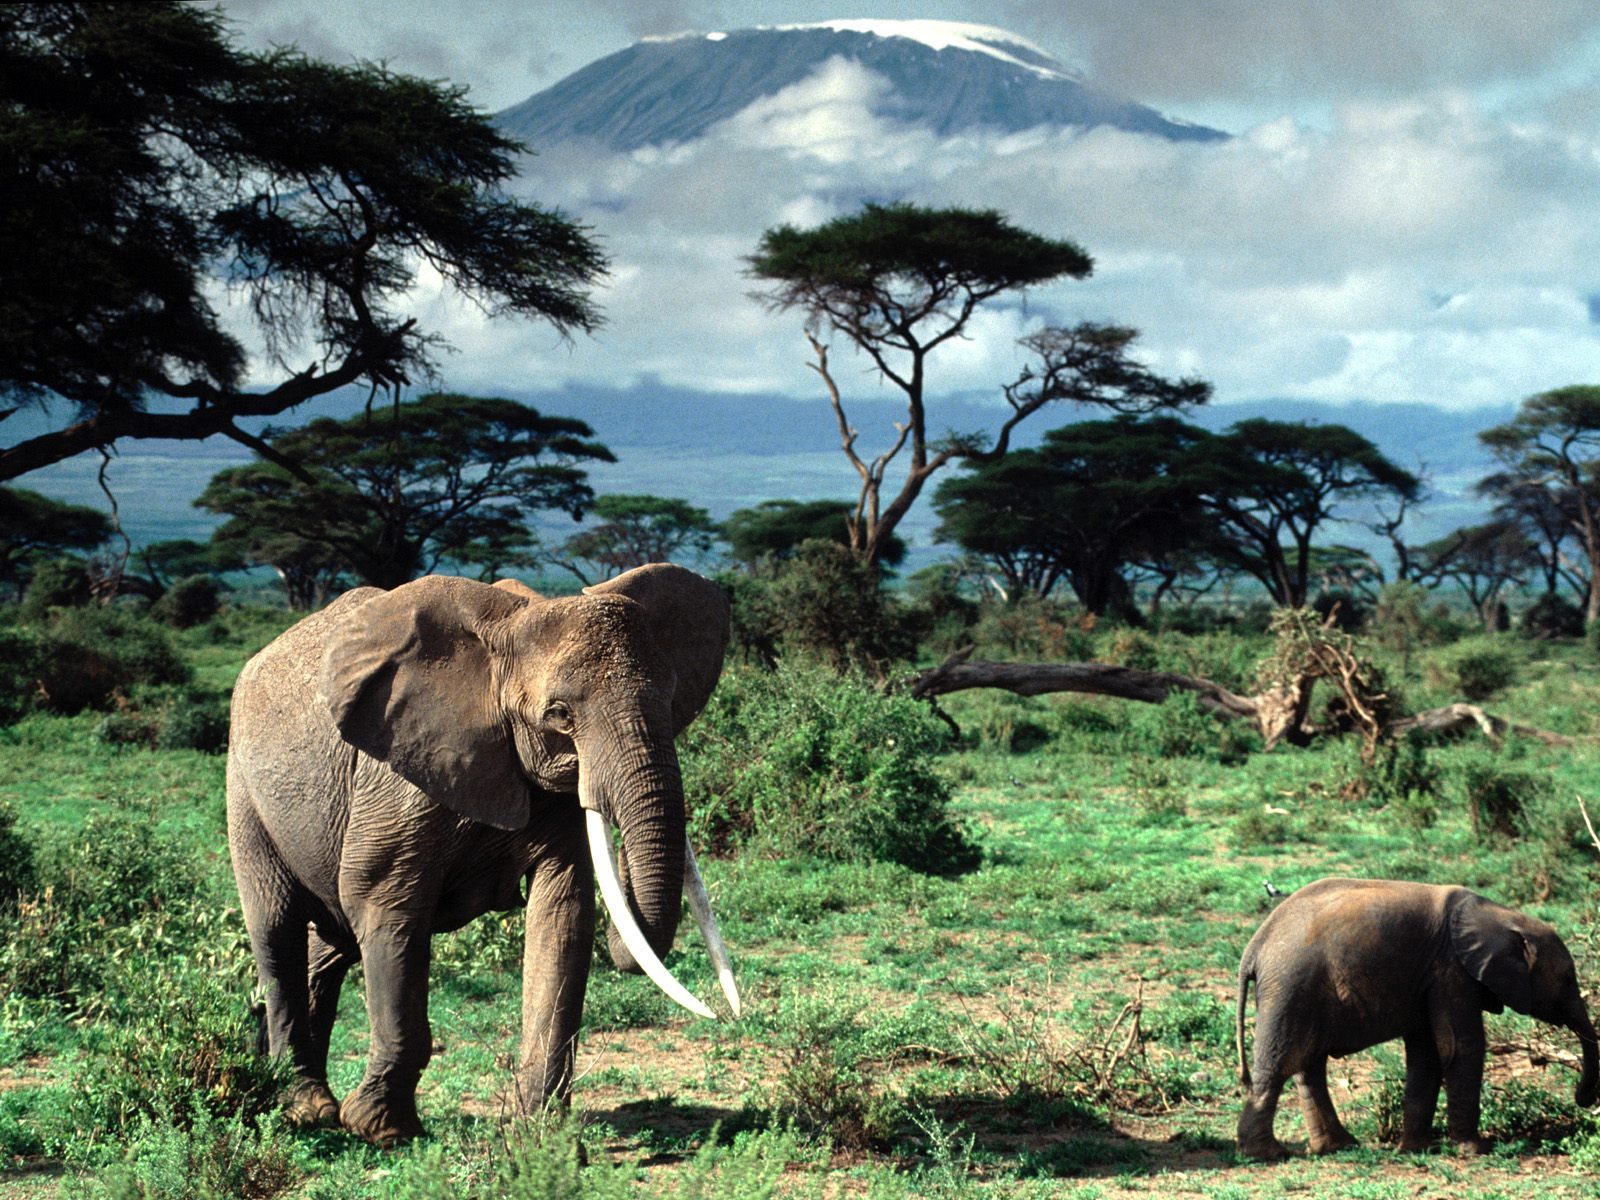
(1247, 972)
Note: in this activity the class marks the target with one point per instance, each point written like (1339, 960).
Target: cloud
(503, 49)
(1418, 250)
(1306, 50)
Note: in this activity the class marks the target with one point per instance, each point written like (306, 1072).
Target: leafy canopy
(879, 271)
(146, 158)
(1095, 497)
(777, 528)
(34, 528)
(402, 488)
(633, 530)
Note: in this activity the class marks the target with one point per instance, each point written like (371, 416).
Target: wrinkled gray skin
(1344, 964)
(404, 761)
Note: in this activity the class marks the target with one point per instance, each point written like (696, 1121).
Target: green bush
(89, 655)
(182, 1050)
(60, 583)
(1179, 727)
(116, 873)
(167, 718)
(1028, 629)
(190, 601)
(1477, 668)
(827, 1082)
(16, 860)
(1552, 616)
(1496, 798)
(802, 758)
(202, 1158)
(822, 603)
(21, 654)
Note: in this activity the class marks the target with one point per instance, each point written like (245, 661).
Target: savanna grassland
(999, 968)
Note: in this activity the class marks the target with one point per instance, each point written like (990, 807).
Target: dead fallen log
(1098, 679)
(1277, 713)
(1455, 717)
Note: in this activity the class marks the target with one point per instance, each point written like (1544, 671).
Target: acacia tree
(398, 490)
(1273, 484)
(634, 530)
(898, 281)
(1094, 498)
(146, 157)
(35, 527)
(1483, 561)
(778, 528)
(1553, 446)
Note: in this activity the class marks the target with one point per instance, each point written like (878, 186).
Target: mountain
(943, 75)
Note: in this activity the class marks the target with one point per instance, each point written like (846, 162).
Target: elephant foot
(1333, 1143)
(310, 1103)
(1471, 1147)
(1415, 1145)
(385, 1121)
(1270, 1150)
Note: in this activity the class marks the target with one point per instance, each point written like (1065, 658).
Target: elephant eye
(558, 716)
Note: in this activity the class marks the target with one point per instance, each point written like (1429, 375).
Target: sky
(1410, 212)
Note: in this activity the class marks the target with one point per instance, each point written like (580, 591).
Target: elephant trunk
(1581, 1025)
(640, 789)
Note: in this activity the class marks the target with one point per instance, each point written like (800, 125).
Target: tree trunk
(1279, 714)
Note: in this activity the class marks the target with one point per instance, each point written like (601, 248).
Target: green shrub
(89, 655)
(1477, 668)
(194, 722)
(1028, 629)
(183, 1049)
(190, 601)
(201, 1158)
(60, 583)
(21, 655)
(115, 873)
(822, 603)
(16, 860)
(1179, 727)
(1552, 616)
(826, 1081)
(1496, 797)
(166, 718)
(802, 758)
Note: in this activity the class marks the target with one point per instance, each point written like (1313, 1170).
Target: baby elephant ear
(407, 678)
(1489, 943)
(688, 617)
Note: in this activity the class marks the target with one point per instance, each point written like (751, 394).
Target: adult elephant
(1344, 964)
(404, 761)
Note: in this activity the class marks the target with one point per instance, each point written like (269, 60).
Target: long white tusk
(605, 874)
(694, 891)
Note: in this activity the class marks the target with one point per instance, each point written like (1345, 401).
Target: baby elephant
(1344, 964)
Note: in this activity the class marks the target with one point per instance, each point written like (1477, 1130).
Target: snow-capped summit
(948, 76)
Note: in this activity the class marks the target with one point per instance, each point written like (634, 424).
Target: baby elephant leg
(1327, 1133)
(1254, 1136)
(1423, 1076)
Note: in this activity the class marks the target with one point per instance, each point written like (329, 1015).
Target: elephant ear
(1489, 943)
(688, 618)
(408, 679)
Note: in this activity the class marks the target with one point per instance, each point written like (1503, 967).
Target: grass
(1057, 1022)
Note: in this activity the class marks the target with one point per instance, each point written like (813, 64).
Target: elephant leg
(396, 949)
(1254, 1136)
(1327, 1133)
(275, 915)
(1424, 1073)
(1461, 1045)
(328, 964)
(558, 946)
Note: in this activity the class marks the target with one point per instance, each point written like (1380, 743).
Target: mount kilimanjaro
(948, 77)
